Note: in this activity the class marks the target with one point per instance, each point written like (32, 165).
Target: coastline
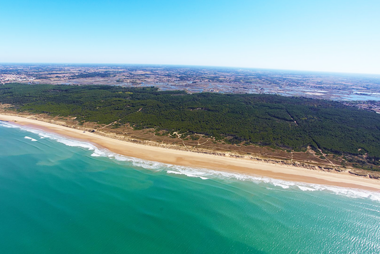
(201, 160)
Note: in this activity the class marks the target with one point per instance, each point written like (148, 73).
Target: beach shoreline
(203, 160)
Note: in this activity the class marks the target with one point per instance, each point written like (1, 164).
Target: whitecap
(31, 139)
(304, 188)
(7, 125)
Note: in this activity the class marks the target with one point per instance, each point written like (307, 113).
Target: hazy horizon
(195, 66)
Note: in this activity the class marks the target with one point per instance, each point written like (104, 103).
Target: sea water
(60, 195)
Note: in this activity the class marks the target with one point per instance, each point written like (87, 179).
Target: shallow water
(60, 195)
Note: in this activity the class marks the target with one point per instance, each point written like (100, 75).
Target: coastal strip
(200, 160)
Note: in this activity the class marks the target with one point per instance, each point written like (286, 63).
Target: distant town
(362, 91)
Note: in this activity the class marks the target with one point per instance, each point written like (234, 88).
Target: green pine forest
(291, 123)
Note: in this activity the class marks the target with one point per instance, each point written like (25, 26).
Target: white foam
(31, 139)
(303, 188)
(200, 172)
(173, 172)
(58, 138)
(184, 171)
(210, 174)
(7, 125)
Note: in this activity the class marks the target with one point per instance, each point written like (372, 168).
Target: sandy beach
(199, 160)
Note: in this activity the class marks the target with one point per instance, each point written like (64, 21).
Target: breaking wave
(31, 139)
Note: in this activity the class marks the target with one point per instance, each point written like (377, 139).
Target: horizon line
(183, 65)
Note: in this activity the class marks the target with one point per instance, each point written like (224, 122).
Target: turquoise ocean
(60, 195)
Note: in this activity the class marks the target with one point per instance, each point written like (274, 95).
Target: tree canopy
(271, 120)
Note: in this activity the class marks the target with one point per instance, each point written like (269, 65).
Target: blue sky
(317, 35)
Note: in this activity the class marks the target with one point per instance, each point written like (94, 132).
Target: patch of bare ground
(5, 106)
